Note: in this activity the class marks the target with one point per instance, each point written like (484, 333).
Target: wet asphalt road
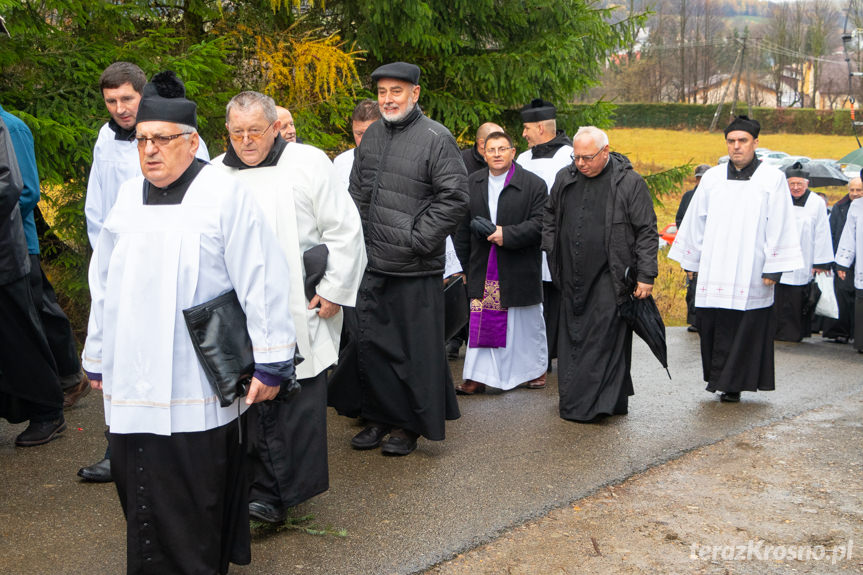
(510, 458)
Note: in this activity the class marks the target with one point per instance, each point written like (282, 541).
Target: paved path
(509, 459)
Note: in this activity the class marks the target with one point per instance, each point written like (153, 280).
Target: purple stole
(487, 317)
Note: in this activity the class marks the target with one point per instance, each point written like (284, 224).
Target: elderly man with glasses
(499, 243)
(182, 235)
(599, 232)
(306, 206)
(792, 296)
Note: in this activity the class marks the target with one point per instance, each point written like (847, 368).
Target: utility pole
(725, 90)
(739, 73)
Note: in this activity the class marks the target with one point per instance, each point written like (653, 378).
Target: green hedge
(698, 117)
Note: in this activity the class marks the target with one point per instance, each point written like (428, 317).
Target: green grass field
(656, 150)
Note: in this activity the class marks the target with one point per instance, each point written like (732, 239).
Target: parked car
(852, 171)
(667, 235)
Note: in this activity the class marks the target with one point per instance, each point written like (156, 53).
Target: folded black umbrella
(482, 227)
(456, 308)
(644, 318)
(315, 263)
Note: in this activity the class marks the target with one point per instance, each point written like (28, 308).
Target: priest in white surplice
(179, 236)
(739, 235)
(550, 151)
(306, 205)
(792, 309)
(507, 343)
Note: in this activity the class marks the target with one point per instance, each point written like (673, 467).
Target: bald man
(286, 119)
(474, 158)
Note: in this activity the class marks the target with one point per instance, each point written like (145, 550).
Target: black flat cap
(163, 99)
(398, 71)
(744, 123)
(796, 170)
(538, 110)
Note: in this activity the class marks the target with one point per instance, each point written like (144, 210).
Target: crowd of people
(337, 264)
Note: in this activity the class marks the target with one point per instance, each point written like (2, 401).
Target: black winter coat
(14, 259)
(631, 237)
(410, 185)
(519, 260)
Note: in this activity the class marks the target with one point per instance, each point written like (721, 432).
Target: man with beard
(302, 199)
(841, 330)
(599, 232)
(739, 235)
(791, 306)
(181, 235)
(507, 345)
(550, 151)
(410, 186)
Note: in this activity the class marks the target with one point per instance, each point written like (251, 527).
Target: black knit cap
(164, 100)
(796, 170)
(538, 110)
(398, 71)
(744, 123)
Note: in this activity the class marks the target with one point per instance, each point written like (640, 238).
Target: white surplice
(733, 232)
(344, 163)
(305, 205)
(114, 162)
(815, 241)
(525, 356)
(153, 261)
(851, 242)
(547, 169)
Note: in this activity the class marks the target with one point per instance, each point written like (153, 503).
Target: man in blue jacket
(55, 324)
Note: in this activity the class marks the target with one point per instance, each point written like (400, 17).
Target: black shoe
(97, 473)
(452, 348)
(370, 437)
(41, 432)
(267, 513)
(400, 442)
(730, 397)
(692, 329)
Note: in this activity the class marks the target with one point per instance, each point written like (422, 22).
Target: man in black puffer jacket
(410, 186)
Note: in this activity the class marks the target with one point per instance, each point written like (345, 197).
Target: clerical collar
(121, 133)
(550, 148)
(745, 173)
(801, 201)
(232, 160)
(174, 192)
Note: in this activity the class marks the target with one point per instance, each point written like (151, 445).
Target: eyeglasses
(496, 151)
(253, 135)
(158, 141)
(584, 158)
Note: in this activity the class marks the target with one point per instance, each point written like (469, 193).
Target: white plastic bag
(827, 305)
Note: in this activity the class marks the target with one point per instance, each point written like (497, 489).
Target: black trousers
(55, 324)
(29, 387)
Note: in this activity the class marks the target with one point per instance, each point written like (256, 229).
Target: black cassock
(594, 342)
(393, 369)
(288, 446)
(793, 317)
(737, 349)
(29, 387)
